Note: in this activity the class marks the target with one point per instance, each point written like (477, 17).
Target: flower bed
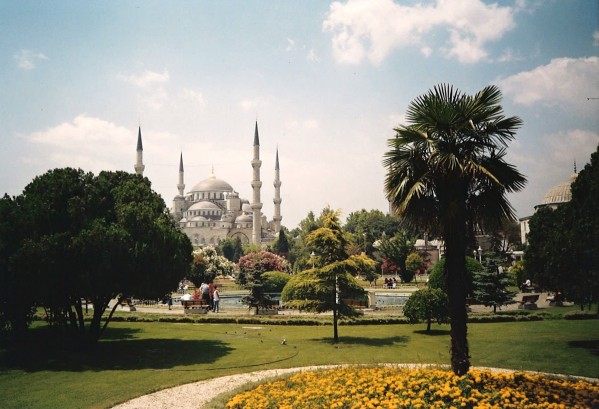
(384, 387)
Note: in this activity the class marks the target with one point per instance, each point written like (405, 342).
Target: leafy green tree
(437, 276)
(16, 307)
(427, 304)
(446, 171)
(331, 281)
(98, 239)
(275, 281)
(231, 248)
(548, 258)
(585, 211)
(414, 262)
(395, 250)
(368, 226)
(491, 286)
(518, 272)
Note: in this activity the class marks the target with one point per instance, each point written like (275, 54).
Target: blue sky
(327, 82)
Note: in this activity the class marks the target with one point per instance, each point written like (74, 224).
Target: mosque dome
(244, 218)
(560, 193)
(212, 184)
(198, 219)
(204, 205)
(246, 208)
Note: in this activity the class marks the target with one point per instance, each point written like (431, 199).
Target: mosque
(557, 195)
(212, 210)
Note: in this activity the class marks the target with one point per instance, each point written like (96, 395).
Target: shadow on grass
(374, 342)
(591, 345)
(433, 332)
(118, 350)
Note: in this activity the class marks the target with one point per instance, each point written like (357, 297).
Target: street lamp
(312, 255)
(480, 255)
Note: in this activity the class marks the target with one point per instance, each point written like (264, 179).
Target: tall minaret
(256, 185)
(181, 184)
(139, 165)
(277, 200)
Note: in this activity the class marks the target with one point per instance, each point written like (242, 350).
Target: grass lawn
(137, 358)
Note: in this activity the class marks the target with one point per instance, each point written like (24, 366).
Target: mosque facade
(212, 210)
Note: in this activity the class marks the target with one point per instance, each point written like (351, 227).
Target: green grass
(137, 358)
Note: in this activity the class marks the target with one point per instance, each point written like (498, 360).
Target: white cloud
(26, 59)
(565, 82)
(193, 96)
(372, 29)
(145, 79)
(312, 56)
(87, 142)
(552, 163)
(290, 45)
(596, 38)
(254, 104)
(508, 55)
(151, 85)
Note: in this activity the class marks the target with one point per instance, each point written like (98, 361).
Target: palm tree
(446, 172)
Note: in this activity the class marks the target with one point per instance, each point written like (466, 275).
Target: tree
(281, 244)
(331, 281)
(491, 286)
(437, 276)
(95, 238)
(275, 281)
(446, 171)
(251, 269)
(396, 249)
(368, 226)
(427, 304)
(207, 265)
(548, 258)
(414, 262)
(585, 209)
(231, 248)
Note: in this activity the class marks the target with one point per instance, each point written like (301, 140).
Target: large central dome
(560, 193)
(212, 184)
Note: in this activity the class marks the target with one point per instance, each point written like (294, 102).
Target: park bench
(195, 306)
(529, 302)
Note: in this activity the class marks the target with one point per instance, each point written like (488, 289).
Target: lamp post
(312, 255)
(480, 255)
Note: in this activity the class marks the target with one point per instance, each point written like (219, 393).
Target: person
(215, 299)
(169, 301)
(205, 292)
(211, 293)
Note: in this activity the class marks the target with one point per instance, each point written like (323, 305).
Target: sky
(327, 82)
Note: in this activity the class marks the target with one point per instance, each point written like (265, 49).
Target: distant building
(212, 210)
(557, 195)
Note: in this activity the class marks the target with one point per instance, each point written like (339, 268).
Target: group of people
(211, 294)
(391, 282)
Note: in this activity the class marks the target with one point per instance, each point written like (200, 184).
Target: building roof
(560, 193)
(212, 184)
(204, 205)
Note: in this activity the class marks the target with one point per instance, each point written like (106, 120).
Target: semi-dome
(560, 193)
(212, 184)
(198, 219)
(244, 218)
(204, 205)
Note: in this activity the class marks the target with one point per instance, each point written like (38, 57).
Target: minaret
(256, 185)
(139, 165)
(277, 200)
(181, 184)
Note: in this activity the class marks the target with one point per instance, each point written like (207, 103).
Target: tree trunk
(335, 334)
(455, 263)
(428, 326)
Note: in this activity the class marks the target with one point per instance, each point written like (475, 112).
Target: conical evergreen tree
(491, 286)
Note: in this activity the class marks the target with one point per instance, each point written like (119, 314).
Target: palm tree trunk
(455, 242)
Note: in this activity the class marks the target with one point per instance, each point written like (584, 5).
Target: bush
(581, 315)
(275, 281)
